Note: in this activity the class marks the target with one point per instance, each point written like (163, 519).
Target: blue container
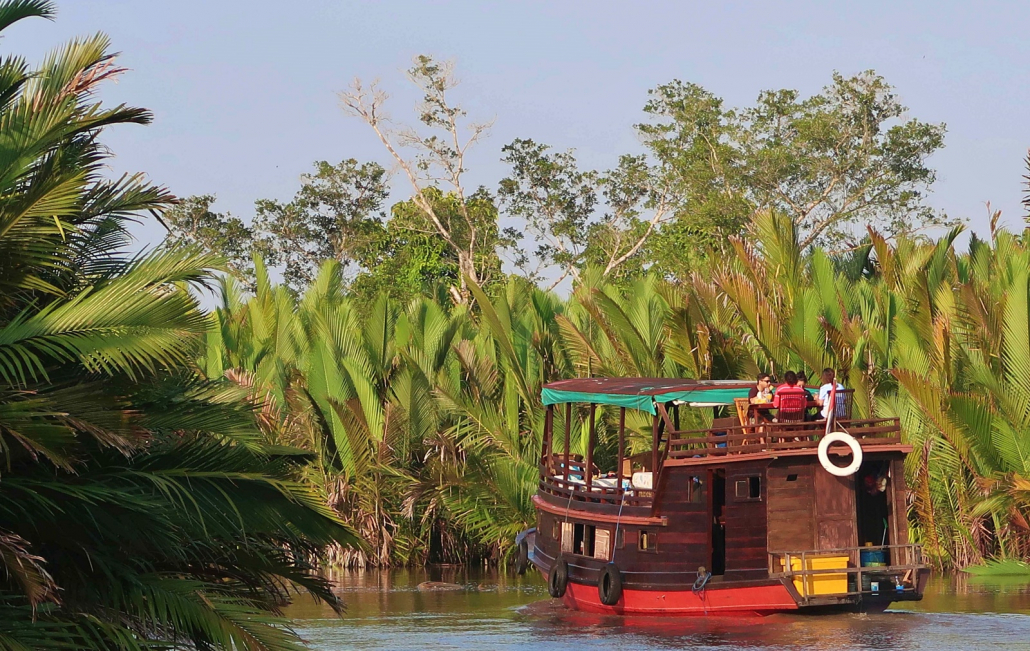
(872, 557)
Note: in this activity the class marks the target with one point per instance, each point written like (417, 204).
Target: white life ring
(856, 454)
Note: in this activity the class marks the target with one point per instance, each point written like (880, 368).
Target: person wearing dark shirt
(761, 392)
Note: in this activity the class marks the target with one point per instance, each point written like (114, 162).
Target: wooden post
(710, 493)
(654, 451)
(568, 426)
(548, 442)
(622, 447)
(589, 472)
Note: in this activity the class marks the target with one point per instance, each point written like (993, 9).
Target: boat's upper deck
(571, 478)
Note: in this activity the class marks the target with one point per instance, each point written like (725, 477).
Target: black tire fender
(558, 578)
(609, 585)
(522, 558)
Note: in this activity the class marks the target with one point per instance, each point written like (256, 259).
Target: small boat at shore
(745, 517)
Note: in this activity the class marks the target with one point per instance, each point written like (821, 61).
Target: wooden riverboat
(739, 518)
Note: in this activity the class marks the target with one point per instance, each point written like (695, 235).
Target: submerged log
(439, 586)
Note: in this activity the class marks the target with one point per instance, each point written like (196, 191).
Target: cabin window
(556, 530)
(695, 490)
(748, 488)
(792, 477)
(583, 539)
(647, 541)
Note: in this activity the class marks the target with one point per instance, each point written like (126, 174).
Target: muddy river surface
(385, 610)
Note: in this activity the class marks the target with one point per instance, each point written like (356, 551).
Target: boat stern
(854, 578)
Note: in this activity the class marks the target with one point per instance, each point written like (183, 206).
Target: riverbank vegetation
(425, 415)
(790, 234)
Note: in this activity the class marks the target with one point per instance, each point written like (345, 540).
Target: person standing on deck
(827, 384)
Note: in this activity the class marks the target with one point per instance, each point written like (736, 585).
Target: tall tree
(405, 258)
(841, 159)
(338, 210)
(555, 200)
(192, 222)
(578, 219)
(439, 160)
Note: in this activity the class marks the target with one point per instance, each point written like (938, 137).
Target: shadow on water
(386, 610)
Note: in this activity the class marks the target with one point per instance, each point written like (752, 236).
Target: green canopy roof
(643, 393)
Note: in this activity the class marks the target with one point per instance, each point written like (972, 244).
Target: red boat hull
(752, 601)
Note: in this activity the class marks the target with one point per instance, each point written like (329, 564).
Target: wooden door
(835, 511)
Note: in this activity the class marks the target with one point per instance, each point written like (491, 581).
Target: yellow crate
(819, 584)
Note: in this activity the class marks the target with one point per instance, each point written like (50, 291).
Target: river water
(385, 610)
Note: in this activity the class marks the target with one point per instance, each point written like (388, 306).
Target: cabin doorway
(717, 509)
(871, 502)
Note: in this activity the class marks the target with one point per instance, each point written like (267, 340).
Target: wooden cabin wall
(791, 506)
(746, 552)
(683, 544)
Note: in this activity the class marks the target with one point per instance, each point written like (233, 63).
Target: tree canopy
(843, 159)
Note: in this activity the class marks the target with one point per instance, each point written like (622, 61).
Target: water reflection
(385, 610)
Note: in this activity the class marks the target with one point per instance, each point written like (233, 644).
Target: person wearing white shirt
(827, 385)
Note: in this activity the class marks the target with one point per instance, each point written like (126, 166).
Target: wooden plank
(783, 511)
(803, 491)
(669, 538)
(590, 516)
(898, 503)
(562, 502)
(722, 460)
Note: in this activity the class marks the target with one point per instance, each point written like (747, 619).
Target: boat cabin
(699, 504)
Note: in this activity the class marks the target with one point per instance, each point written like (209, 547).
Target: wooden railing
(575, 489)
(726, 442)
(777, 437)
(901, 573)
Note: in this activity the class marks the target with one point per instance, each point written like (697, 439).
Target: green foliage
(406, 259)
(336, 214)
(1007, 567)
(555, 200)
(425, 418)
(837, 160)
(435, 409)
(140, 506)
(191, 222)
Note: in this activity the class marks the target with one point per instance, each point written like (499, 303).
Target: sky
(244, 94)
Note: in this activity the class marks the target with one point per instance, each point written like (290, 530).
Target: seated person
(762, 391)
(789, 386)
(796, 411)
(812, 413)
(827, 384)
